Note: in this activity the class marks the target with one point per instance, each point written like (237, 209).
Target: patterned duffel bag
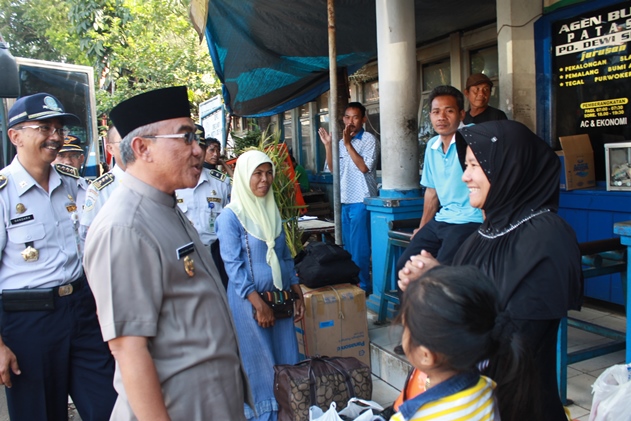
(319, 381)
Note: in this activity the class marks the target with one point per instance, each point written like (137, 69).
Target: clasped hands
(415, 268)
(264, 314)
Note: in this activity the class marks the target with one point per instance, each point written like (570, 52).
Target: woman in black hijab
(529, 251)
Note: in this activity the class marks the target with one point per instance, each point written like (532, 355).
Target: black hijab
(522, 169)
(528, 250)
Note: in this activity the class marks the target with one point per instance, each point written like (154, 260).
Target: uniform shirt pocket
(21, 236)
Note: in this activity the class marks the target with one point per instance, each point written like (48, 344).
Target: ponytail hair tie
(503, 328)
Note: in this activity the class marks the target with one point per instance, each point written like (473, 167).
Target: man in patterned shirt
(358, 180)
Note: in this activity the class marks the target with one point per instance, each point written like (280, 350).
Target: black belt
(68, 289)
(38, 298)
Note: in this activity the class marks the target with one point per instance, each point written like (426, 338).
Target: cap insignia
(51, 104)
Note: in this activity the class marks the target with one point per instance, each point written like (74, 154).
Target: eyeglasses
(188, 138)
(47, 130)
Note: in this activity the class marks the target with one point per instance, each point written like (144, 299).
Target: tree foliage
(133, 45)
(98, 26)
(30, 27)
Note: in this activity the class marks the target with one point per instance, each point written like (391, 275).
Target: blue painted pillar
(624, 230)
(391, 205)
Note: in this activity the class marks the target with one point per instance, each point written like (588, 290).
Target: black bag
(281, 302)
(321, 264)
(319, 381)
(36, 299)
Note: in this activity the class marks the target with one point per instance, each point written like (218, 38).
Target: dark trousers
(215, 252)
(440, 239)
(60, 353)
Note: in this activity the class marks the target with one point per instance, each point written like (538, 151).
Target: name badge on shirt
(21, 219)
(183, 253)
(185, 250)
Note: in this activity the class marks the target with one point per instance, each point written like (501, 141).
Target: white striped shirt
(474, 404)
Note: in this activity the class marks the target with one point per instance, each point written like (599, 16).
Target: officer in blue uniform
(50, 345)
(71, 158)
(71, 152)
(213, 159)
(203, 203)
(102, 188)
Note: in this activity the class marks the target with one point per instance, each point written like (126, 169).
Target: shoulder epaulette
(217, 174)
(104, 180)
(67, 170)
(3, 181)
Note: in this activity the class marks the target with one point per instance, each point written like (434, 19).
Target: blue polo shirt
(442, 171)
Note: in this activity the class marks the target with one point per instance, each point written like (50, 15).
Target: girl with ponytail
(452, 326)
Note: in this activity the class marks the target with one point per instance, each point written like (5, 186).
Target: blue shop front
(583, 60)
(581, 68)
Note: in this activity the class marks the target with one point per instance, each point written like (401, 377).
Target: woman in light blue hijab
(257, 259)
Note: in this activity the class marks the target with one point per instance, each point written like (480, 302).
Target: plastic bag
(359, 409)
(316, 414)
(612, 393)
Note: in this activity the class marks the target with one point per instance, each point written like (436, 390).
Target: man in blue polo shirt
(448, 218)
(358, 180)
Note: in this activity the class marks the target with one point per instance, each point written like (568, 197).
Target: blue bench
(399, 235)
(603, 257)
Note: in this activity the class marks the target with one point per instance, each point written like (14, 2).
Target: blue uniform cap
(201, 133)
(40, 106)
(71, 144)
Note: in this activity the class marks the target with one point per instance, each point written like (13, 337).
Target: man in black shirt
(478, 92)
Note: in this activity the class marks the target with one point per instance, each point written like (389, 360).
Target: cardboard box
(335, 323)
(577, 162)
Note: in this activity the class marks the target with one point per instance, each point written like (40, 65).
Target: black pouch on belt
(28, 299)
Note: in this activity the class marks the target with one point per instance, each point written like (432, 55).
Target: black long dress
(528, 250)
